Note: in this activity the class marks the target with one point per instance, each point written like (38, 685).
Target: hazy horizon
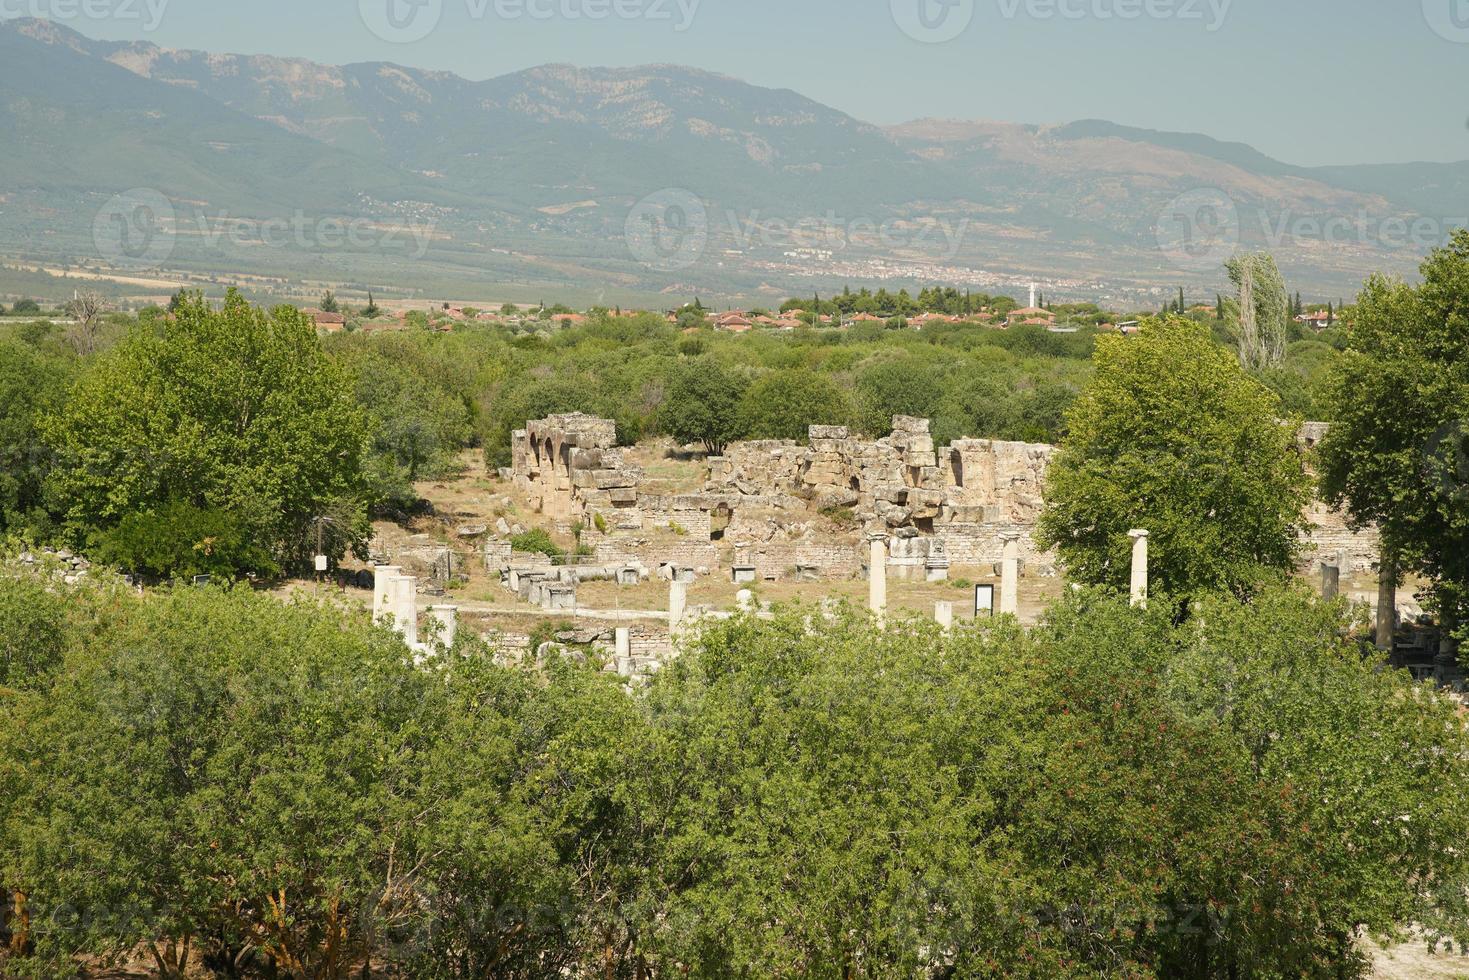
(1033, 62)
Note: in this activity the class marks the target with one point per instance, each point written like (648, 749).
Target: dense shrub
(203, 776)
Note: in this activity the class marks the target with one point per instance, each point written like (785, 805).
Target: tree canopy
(210, 776)
(702, 404)
(785, 404)
(1397, 453)
(236, 415)
(1172, 437)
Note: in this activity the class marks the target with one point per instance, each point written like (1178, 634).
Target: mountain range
(635, 182)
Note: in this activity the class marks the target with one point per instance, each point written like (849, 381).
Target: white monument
(1139, 590)
(1010, 576)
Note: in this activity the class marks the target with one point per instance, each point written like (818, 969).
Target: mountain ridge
(551, 161)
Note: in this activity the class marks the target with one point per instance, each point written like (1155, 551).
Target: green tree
(1263, 309)
(235, 411)
(1111, 794)
(25, 307)
(1172, 437)
(1397, 454)
(896, 387)
(222, 773)
(784, 405)
(702, 404)
(33, 629)
(329, 302)
(31, 385)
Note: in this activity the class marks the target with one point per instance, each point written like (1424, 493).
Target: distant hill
(530, 177)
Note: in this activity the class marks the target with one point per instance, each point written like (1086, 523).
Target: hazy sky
(1308, 81)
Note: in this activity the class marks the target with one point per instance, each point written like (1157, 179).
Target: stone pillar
(1139, 568)
(943, 613)
(746, 600)
(622, 648)
(404, 608)
(678, 601)
(1010, 576)
(877, 579)
(1330, 581)
(1387, 602)
(382, 575)
(447, 620)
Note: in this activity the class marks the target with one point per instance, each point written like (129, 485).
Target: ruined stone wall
(568, 466)
(960, 500)
(762, 501)
(964, 498)
(1330, 539)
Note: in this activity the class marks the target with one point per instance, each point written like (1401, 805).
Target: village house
(735, 322)
(1030, 315)
(327, 322)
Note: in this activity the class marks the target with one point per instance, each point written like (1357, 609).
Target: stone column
(622, 648)
(678, 601)
(1387, 602)
(746, 600)
(1139, 568)
(1330, 581)
(877, 579)
(382, 575)
(447, 620)
(943, 613)
(405, 608)
(1010, 576)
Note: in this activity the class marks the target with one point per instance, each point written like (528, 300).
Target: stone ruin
(569, 466)
(780, 509)
(953, 506)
